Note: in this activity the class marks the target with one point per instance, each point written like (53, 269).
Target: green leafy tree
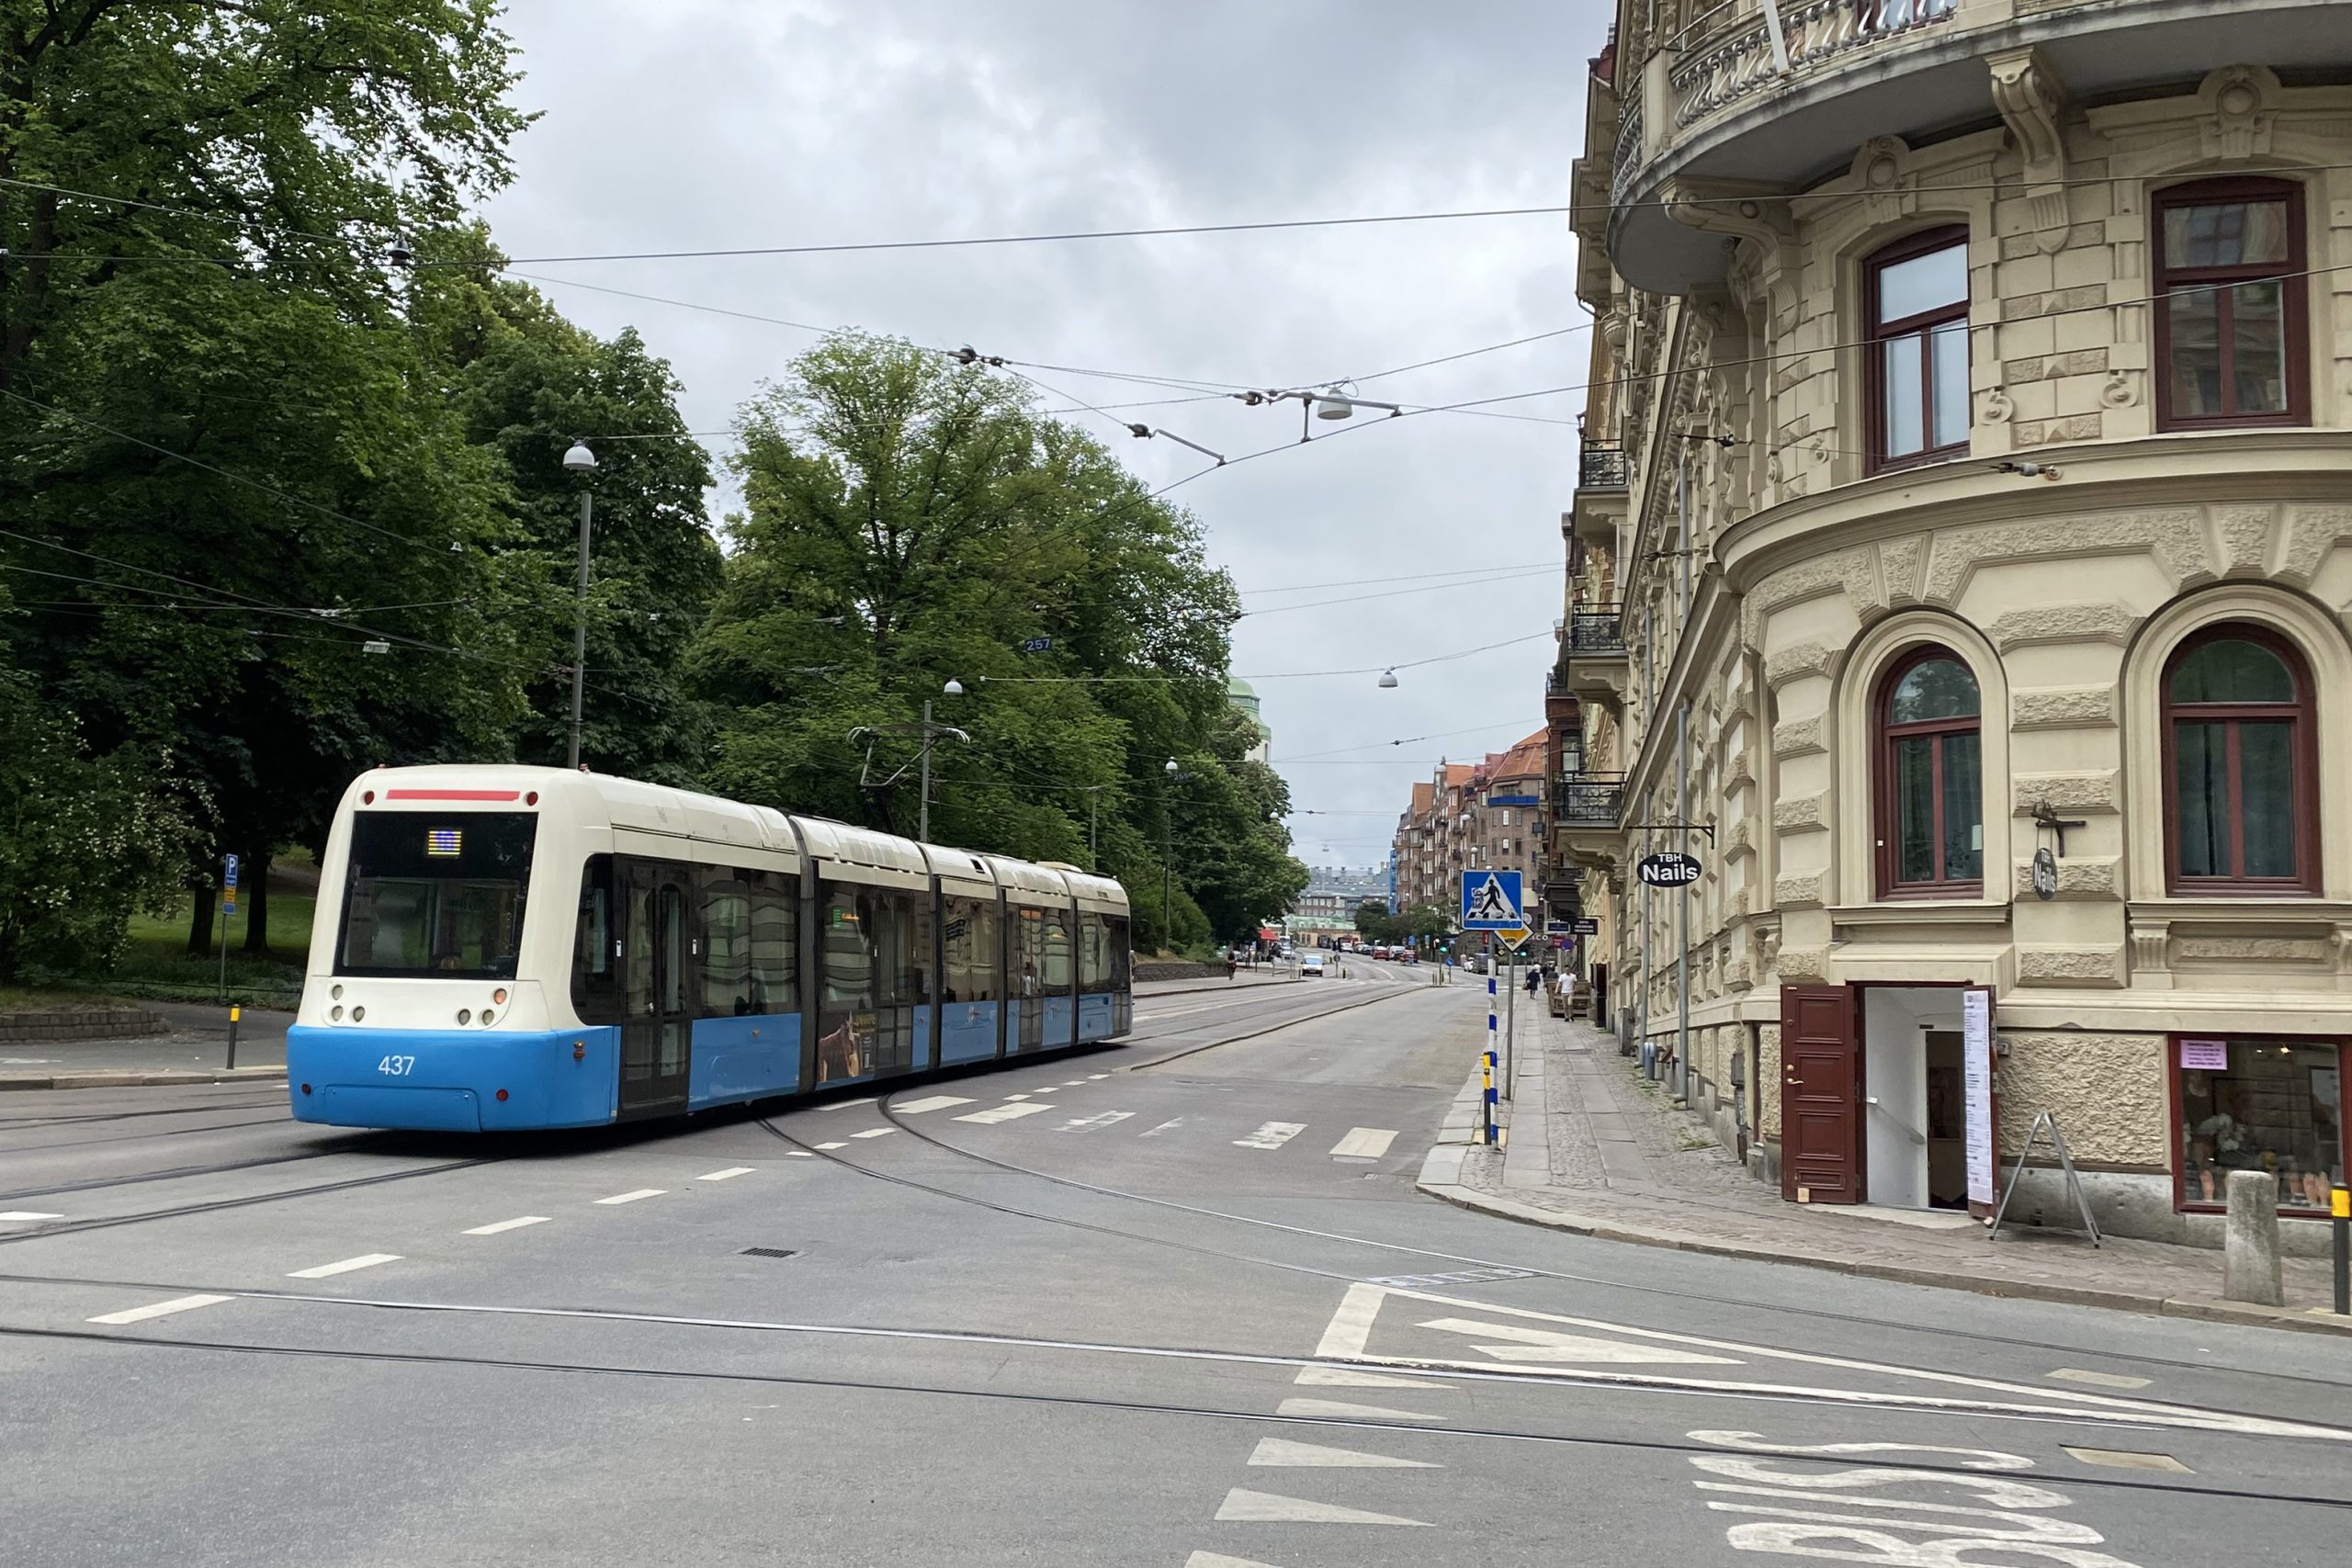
(220, 456)
(526, 384)
(910, 520)
(84, 839)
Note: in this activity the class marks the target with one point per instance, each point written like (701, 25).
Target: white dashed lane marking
(27, 1215)
(1273, 1135)
(834, 1145)
(730, 1174)
(931, 1103)
(874, 1133)
(1155, 1131)
(633, 1197)
(328, 1270)
(1007, 1112)
(1364, 1142)
(161, 1309)
(514, 1224)
(798, 1154)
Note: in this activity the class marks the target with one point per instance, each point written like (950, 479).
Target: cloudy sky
(682, 124)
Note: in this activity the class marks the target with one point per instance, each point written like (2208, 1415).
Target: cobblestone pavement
(1596, 1147)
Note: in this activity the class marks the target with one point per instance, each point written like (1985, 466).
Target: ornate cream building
(1960, 570)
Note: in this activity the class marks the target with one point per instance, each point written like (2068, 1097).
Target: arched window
(1930, 828)
(2240, 779)
(1917, 295)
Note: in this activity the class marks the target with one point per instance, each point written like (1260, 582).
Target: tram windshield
(438, 897)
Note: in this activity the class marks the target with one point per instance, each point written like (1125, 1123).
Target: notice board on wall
(1977, 1050)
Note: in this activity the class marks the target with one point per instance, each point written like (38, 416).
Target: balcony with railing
(1777, 94)
(1585, 812)
(1600, 467)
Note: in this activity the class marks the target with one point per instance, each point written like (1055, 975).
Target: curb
(1437, 1168)
(1214, 986)
(129, 1078)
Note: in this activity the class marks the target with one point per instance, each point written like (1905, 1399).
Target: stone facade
(1770, 572)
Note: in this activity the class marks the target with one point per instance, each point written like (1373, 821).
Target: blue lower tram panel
(449, 1080)
(452, 1080)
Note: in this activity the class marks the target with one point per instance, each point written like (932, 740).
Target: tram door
(660, 949)
(1024, 935)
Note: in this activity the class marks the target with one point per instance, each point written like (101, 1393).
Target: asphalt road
(1076, 1311)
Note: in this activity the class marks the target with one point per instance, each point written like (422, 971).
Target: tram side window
(726, 944)
(920, 978)
(776, 943)
(971, 936)
(1028, 959)
(596, 984)
(845, 912)
(1093, 954)
(1059, 969)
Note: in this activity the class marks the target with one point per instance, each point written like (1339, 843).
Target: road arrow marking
(1265, 1507)
(1282, 1452)
(1088, 1124)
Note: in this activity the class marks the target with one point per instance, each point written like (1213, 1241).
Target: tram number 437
(396, 1066)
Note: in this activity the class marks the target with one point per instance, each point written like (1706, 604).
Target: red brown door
(1821, 1095)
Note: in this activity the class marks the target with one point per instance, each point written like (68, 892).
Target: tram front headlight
(465, 1015)
(486, 1017)
(499, 996)
(336, 1014)
(358, 1015)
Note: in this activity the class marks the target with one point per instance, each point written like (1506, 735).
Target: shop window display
(2267, 1105)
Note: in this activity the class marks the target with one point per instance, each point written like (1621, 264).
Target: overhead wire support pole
(1682, 792)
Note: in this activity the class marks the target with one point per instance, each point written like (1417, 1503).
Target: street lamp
(953, 688)
(1167, 854)
(1387, 679)
(582, 461)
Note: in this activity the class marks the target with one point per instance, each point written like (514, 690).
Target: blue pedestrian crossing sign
(1492, 902)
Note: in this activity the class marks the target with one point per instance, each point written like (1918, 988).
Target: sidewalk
(1596, 1149)
(196, 1051)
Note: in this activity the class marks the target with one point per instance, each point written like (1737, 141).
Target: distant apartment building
(1470, 815)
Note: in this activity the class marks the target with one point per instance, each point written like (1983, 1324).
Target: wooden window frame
(1876, 337)
(2294, 298)
(2302, 762)
(1885, 824)
(2182, 1203)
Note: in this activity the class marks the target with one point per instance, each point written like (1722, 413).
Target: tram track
(882, 1105)
(1358, 1424)
(217, 1205)
(141, 1137)
(6, 1121)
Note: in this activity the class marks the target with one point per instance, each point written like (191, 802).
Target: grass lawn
(34, 998)
(156, 963)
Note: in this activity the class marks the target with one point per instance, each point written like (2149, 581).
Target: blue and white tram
(503, 948)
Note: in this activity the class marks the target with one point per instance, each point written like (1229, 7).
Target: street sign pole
(228, 908)
(1510, 1020)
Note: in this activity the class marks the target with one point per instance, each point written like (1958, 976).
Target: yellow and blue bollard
(2339, 1205)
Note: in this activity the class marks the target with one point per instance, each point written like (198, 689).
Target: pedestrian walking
(1534, 979)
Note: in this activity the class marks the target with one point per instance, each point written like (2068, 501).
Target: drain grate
(768, 1252)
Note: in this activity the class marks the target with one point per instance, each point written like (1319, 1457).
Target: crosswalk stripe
(1273, 1135)
(931, 1103)
(1266, 1508)
(1341, 1408)
(1007, 1112)
(730, 1174)
(1364, 1142)
(1282, 1452)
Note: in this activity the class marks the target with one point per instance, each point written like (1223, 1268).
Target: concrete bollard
(2250, 1242)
